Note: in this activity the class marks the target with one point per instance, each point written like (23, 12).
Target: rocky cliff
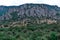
(29, 11)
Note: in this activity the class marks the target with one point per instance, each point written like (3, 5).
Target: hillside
(30, 22)
(37, 11)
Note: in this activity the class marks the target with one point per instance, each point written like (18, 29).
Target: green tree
(53, 36)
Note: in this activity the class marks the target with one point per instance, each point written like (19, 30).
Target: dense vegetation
(31, 32)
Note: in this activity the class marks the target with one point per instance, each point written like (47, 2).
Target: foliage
(14, 15)
(30, 32)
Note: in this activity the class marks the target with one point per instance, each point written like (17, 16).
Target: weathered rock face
(29, 11)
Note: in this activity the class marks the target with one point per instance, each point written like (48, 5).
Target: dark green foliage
(14, 16)
(53, 36)
(30, 32)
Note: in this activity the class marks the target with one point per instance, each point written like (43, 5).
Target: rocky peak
(29, 11)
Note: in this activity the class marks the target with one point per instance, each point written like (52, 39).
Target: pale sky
(19, 2)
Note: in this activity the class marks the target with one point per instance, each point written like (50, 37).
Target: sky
(20, 2)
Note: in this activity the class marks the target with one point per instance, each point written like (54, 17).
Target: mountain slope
(29, 11)
(30, 22)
